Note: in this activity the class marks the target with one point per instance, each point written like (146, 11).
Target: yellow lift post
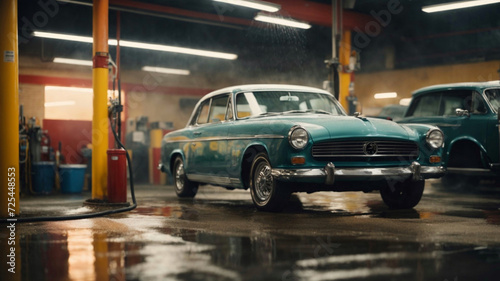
(100, 85)
(9, 110)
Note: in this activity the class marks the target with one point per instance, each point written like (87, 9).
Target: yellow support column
(344, 77)
(10, 262)
(9, 110)
(100, 84)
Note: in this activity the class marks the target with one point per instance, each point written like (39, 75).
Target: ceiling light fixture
(60, 103)
(69, 89)
(139, 45)
(405, 102)
(179, 50)
(282, 21)
(73, 61)
(386, 95)
(254, 4)
(166, 70)
(457, 5)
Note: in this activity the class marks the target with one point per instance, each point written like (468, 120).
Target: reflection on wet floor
(322, 236)
(158, 252)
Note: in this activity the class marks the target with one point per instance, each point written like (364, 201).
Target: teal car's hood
(322, 127)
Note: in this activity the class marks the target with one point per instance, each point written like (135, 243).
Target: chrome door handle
(197, 133)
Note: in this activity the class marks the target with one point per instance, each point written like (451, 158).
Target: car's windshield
(283, 102)
(493, 96)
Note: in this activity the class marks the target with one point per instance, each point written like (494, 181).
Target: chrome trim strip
(470, 171)
(329, 173)
(213, 179)
(366, 156)
(446, 125)
(227, 138)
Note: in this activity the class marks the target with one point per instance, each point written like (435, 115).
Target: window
(427, 105)
(218, 109)
(280, 102)
(203, 113)
(453, 100)
(493, 96)
(478, 104)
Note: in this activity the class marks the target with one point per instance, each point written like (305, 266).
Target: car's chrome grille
(354, 150)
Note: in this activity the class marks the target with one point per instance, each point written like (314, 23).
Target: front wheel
(403, 195)
(183, 186)
(267, 193)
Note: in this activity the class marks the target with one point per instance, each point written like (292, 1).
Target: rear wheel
(183, 187)
(267, 193)
(403, 195)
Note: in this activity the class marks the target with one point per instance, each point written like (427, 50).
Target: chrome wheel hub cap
(179, 177)
(263, 182)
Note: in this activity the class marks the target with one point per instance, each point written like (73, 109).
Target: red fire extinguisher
(117, 176)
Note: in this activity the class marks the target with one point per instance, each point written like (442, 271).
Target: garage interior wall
(405, 81)
(162, 107)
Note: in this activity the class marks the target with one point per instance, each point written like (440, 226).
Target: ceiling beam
(312, 12)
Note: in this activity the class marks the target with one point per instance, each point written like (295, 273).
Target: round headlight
(435, 138)
(298, 137)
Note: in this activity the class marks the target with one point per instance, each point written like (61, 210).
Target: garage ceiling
(414, 38)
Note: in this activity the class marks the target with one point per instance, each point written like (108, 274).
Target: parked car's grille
(382, 150)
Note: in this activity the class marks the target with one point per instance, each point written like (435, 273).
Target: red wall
(72, 134)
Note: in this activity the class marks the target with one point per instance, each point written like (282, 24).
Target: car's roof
(265, 87)
(458, 86)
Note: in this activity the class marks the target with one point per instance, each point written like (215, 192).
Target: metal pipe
(9, 110)
(100, 85)
(119, 117)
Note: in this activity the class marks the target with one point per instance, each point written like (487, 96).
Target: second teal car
(467, 113)
(279, 139)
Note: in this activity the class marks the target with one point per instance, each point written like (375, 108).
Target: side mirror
(461, 112)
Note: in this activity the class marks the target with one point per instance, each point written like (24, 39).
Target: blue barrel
(72, 177)
(43, 177)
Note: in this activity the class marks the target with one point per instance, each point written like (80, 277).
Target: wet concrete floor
(220, 236)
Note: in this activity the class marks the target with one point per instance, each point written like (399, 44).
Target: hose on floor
(91, 215)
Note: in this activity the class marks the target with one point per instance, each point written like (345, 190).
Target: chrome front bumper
(329, 174)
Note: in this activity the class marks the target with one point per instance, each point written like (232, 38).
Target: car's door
(209, 147)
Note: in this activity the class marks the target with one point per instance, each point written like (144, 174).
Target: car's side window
(451, 101)
(203, 113)
(218, 109)
(479, 107)
(427, 105)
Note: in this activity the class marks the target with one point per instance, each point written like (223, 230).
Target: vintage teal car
(467, 113)
(279, 139)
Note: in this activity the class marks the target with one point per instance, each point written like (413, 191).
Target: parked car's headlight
(298, 137)
(435, 138)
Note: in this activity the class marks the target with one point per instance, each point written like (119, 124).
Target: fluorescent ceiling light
(282, 21)
(180, 50)
(165, 70)
(457, 5)
(259, 5)
(386, 95)
(139, 45)
(73, 61)
(72, 89)
(60, 36)
(405, 102)
(60, 103)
